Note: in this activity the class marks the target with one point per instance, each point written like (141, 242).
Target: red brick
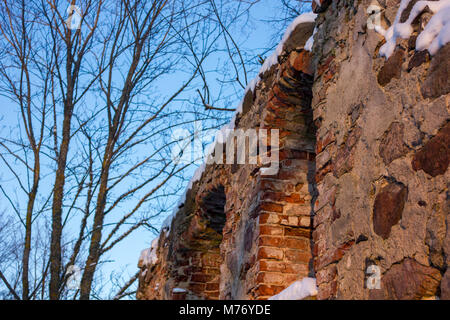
(214, 295)
(270, 241)
(271, 207)
(271, 265)
(322, 216)
(269, 218)
(214, 286)
(319, 232)
(270, 230)
(214, 271)
(268, 290)
(297, 232)
(302, 63)
(324, 66)
(333, 255)
(321, 144)
(270, 278)
(179, 296)
(296, 243)
(270, 253)
(298, 268)
(211, 259)
(298, 256)
(281, 197)
(320, 174)
(197, 287)
(201, 277)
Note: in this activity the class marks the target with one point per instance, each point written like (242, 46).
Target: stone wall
(363, 178)
(383, 140)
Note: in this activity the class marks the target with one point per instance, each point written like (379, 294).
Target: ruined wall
(382, 159)
(262, 242)
(363, 178)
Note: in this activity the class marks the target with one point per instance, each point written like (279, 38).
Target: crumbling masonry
(363, 178)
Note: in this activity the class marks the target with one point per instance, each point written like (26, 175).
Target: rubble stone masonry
(363, 178)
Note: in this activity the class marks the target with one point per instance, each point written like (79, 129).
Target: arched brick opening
(285, 217)
(213, 209)
(199, 259)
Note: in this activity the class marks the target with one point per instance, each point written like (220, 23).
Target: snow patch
(273, 59)
(298, 290)
(178, 290)
(148, 256)
(309, 43)
(436, 33)
(432, 38)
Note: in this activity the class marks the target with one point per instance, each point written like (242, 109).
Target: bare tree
(92, 152)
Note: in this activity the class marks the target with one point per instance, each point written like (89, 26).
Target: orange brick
(270, 230)
(298, 268)
(197, 287)
(211, 260)
(213, 295)
(297, 232)
(302, 62)
(270, 241)
(294, 198)
(212, 286)
(298, 256)
(271, 207)
(268, 290)
(269, 218)
(271, 278)
(297, 243)
(271, 265)
(270, 253)
(198, 277)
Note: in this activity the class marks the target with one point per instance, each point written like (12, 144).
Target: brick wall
(264, 243)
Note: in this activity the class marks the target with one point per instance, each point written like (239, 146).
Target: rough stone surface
(410, 280)
(392, 68)
(434, 157)
(437, 82)
(388, 208)
(392, 145)
(375, 193)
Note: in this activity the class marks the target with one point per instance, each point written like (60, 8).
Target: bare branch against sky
(92, 90)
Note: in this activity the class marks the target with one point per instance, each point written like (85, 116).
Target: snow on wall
(432, 38)
(148, 256)
(298, 290)
(310, 42)
(273, 59)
